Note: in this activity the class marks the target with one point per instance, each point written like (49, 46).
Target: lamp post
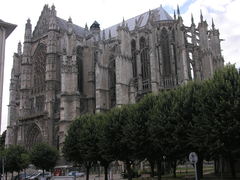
(3, 168)
(164, 164)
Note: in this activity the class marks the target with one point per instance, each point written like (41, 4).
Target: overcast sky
(109, 12)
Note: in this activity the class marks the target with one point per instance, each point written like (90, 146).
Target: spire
(123, 22)
(86, 27)
(103, 35)
(70, 20)
(174, 15)
(192, 19)
(53, 10)
(28, 31)
(213, 25)
(201, 16)
(70, 25)
(19, 48)
(109, 34)
(178, 10)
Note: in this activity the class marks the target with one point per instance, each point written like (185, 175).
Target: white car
(39, 176)
(76, 173)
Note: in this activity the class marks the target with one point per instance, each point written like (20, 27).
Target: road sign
(193, 158)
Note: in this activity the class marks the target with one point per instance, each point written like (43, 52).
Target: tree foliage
(44, 156)
(199, 116)
(16, 158)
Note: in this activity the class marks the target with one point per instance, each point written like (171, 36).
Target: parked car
(39, 175)
(76, 173)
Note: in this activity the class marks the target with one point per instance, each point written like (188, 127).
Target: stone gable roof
(159, 14)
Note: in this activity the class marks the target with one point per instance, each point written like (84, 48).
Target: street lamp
(164, 164)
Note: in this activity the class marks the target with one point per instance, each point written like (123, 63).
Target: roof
(159, 14)
(8, 26)
(63, 24)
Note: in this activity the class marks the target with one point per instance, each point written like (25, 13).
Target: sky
(225, 14)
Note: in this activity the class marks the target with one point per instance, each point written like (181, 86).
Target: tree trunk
(174, 166)
(232, 166)
(159, 169)
(106, 172)
(87, 175)
(152, 165)
(129, 170)
(200, 167)
(6, 176)
(43, 172)
(216, 166)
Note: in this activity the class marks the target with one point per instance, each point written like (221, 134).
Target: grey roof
(63, 24)
(159, 14)
(8, 26)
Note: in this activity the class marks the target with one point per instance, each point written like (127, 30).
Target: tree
(120, 136)
(44, 156)
(105, 155)
(224, 99)
(81, 143)
(145, 109)
(16, 159)
(2, 140)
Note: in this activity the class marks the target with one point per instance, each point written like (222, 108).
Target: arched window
(164, 40)
(112, 82)
(134, 58)
(39, 68)
(80, 68)
(33, 136)
(145, 64)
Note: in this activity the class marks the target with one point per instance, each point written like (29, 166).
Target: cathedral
(64, 70)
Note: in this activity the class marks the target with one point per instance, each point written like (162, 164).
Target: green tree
(16, 159)
(44, 156)
(81, 143)
(120, 135)
(145, 108)
(105, 155)
(224, 99)
(2, 140)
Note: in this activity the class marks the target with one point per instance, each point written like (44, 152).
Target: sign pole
(195, 167)
(193, 158)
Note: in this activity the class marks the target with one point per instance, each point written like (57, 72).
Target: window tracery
(39, 68)
(80, 68)
(145, 64)
(112, 82)
(164, 40)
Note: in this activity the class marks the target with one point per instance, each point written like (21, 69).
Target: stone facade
(5, 30)
(66, 70)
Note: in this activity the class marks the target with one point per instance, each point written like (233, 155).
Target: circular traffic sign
(193, 158)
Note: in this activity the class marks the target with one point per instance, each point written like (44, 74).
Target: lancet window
(145, 64)
(80, 68)
(164, 40)
(39, 68)
(112, 82)
(134, 58)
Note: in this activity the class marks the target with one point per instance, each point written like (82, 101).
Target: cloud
(225, 17)
(110, 12)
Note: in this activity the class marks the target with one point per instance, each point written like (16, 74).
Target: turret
(52, 78)
(206, 54)
(19, 48)
(28, 31)
(215, 45)
(95, 28)
(180, 42)
(26, 72)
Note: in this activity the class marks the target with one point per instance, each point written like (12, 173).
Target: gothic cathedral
(65, 70)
